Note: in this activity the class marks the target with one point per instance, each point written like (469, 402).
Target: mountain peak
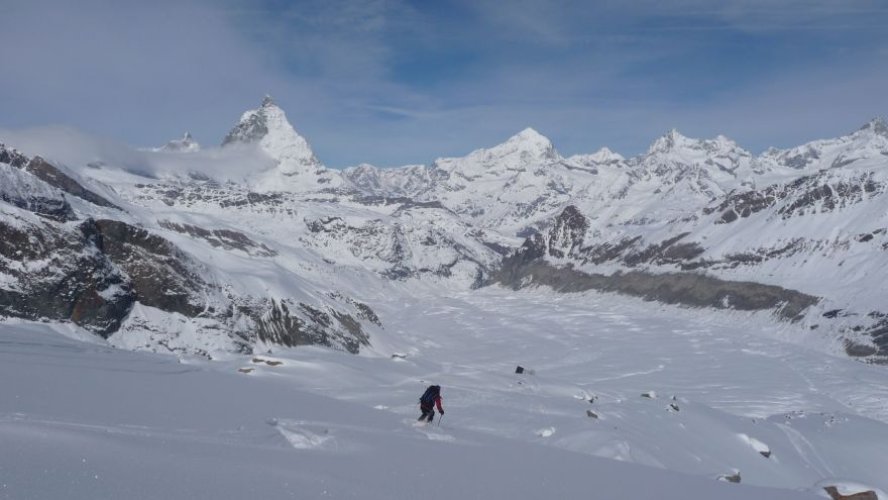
(605, 155)
(268, 126)
(12, 156)
(668, 142)
(528, 142)
(529, 134)
(186, 144)
(876, 125)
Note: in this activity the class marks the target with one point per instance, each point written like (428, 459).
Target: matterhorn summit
(297, 168)
(877, 126)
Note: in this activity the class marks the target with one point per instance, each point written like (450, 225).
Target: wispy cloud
(393, 81)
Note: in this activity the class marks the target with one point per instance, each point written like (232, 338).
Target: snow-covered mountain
(186, 144)
(296, 166)
(705, 219)
(457, 270)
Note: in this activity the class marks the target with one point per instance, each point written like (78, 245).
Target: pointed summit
(668, 142)
(529, 134)
(605, 155)
(876, 125)
(528, 144)
(186, 144)
(268, 127)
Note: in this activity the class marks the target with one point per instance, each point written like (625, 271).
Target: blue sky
(393, 82)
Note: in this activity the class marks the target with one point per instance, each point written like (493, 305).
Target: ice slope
(80, 421)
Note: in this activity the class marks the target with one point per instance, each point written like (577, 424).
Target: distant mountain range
(256, 243)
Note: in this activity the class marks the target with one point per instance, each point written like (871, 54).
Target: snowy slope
(91, 422)
(809, 219)
(240, 253)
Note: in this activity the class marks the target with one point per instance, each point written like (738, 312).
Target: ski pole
(440, 419)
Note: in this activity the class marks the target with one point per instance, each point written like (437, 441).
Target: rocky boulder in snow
(862, 495)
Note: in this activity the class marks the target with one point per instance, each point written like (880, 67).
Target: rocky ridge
(704, 223)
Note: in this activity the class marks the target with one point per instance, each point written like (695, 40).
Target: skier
(430, 398)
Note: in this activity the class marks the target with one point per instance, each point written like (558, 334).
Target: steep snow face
(297, 166)
(510, 186)
(603, 156)
(409, 180)
(708, 167)
(186, 144)
(523, 151)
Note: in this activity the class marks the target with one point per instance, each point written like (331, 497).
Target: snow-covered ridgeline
(798, 219)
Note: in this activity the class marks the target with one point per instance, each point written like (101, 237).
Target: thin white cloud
(125, 66)
(577, 71)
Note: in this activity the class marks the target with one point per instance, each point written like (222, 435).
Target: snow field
(82, 421)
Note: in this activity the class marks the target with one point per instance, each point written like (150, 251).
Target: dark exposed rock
(50, 174)
(224, 238)
(528, 266)
(75, 282)
(665, 252)
(404, 202)
(817, 193)
(567, 233)
(23, 190)
(12, 157)
(306, 325)
(161, 275)
(93, 274)
(672, 288)
(364, 312)
(876, 329)
(52, 208)
(250, 130)
(863, 495)
(604, 252)
(863, 238)
(732, 478)
(743, 204)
